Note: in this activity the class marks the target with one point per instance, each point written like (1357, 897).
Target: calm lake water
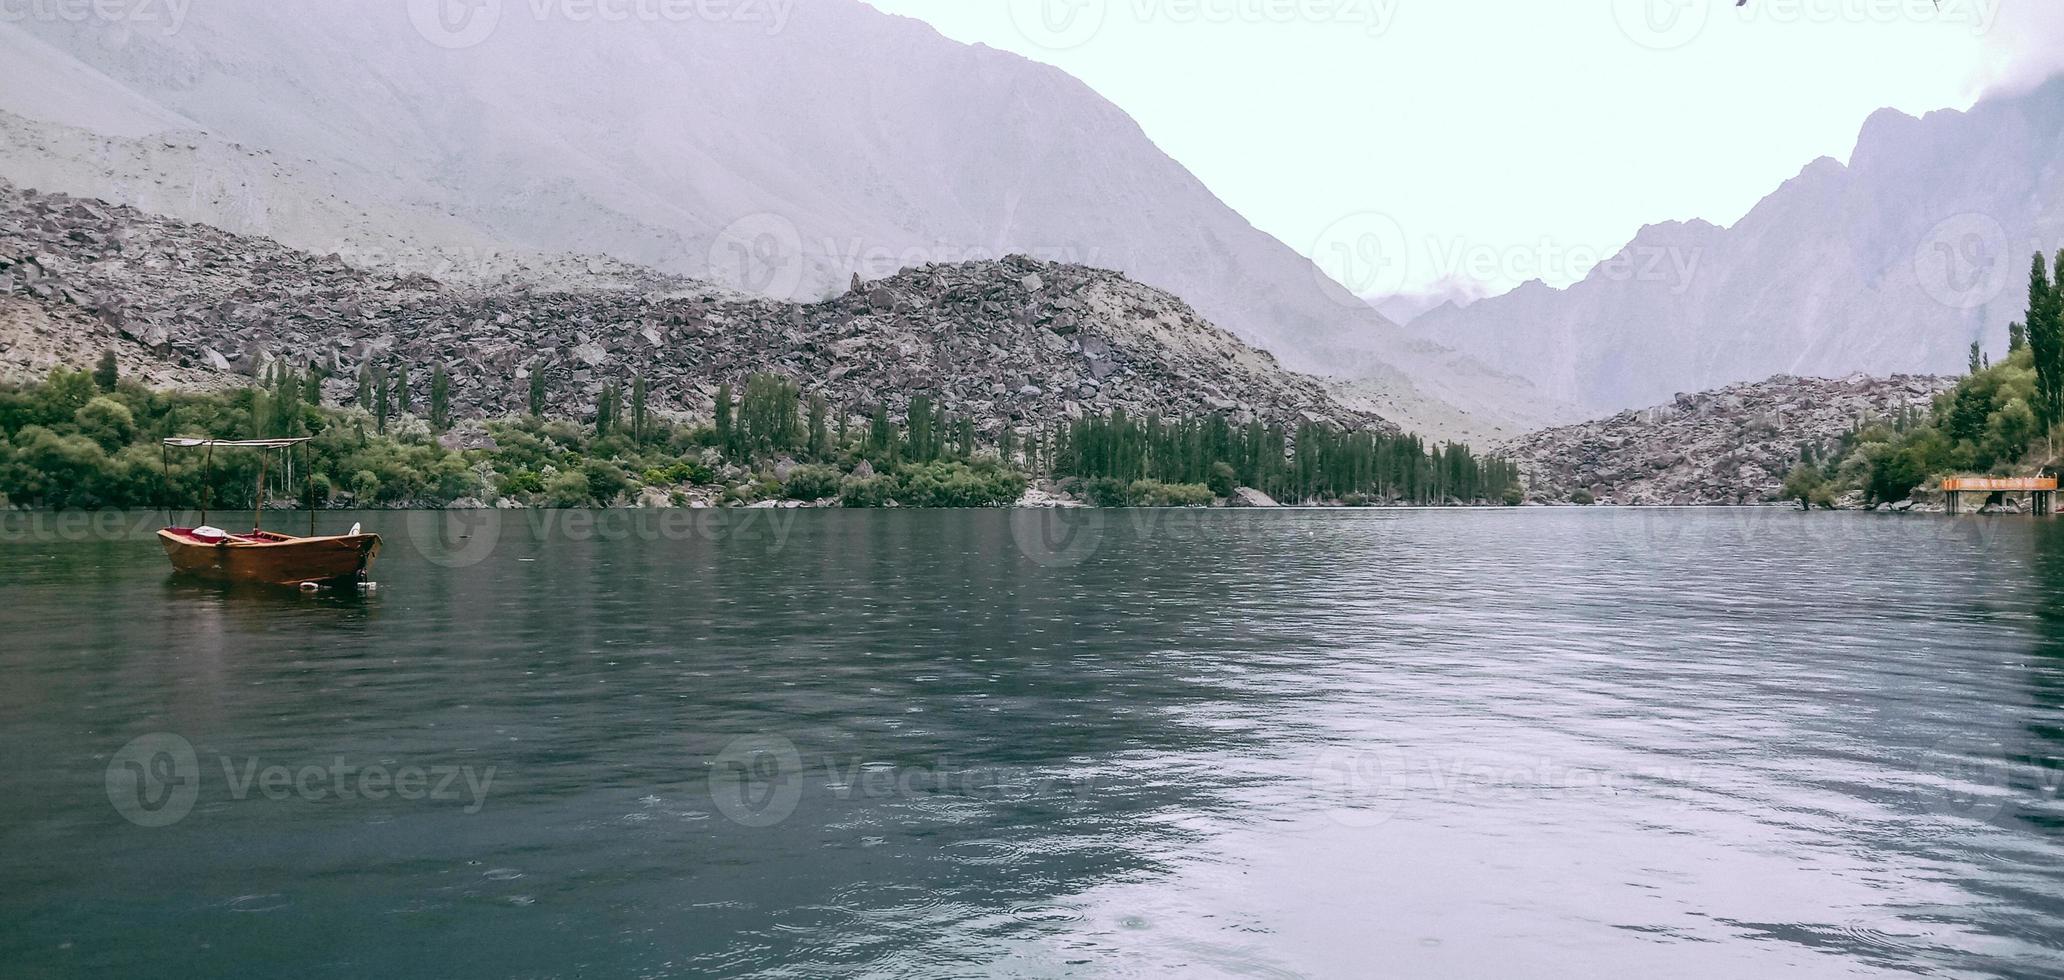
(1302, 743)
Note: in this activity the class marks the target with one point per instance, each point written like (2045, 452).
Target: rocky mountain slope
(777, 156)
(1893, 262)
(1016, 341)
(1730, 446)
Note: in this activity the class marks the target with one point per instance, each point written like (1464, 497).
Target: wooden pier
(2041, 491)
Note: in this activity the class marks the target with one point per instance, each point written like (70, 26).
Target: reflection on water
(1302, 743)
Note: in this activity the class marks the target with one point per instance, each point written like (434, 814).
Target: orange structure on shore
(2041, 490)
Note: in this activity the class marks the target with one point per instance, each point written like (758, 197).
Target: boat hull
(273, 559)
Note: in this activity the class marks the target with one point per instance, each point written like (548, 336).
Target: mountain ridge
(1891, 263)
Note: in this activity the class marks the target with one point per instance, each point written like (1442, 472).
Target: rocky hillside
(804, 156)
(1015, 341)
(1730, 446)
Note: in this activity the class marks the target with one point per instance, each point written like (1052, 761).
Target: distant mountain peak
(1889, 264)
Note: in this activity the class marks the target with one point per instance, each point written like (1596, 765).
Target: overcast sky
(1504, 140)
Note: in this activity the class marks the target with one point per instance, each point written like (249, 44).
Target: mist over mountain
(1403, 308)
(780, 149)
(1892, 263)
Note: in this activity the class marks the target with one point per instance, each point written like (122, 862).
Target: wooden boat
(262, 556)
(273, 559)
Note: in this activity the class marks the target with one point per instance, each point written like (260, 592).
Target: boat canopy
(235, 443)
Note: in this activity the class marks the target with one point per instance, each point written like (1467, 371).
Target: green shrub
(1106, 491)
(570, 489)
(1581, 497)
(1153, 493)
(984, 483)
(606, 480)
(871, 491)
(678, 472)
(107, 422)
(520, 483)
(813, 483)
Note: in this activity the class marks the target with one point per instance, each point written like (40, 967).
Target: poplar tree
(638, 408)
(109, 373)
(881, 436)
(2046, 343)
(440, 399)
(920, 427)
(726, 439)
(820, 438)
(605, 411)
(537, 392)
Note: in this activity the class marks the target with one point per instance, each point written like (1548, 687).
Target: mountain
(1894, 262)
(1014, 342)
(775, 148)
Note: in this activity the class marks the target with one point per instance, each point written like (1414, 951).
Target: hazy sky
(1503, 140)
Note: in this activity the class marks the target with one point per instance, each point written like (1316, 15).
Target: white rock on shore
(1250, 497)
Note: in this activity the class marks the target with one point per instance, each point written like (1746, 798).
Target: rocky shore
(1728, 446)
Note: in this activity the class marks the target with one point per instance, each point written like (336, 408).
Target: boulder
(1250, 497)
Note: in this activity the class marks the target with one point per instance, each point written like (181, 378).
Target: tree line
(1312, 462)
(90, 439)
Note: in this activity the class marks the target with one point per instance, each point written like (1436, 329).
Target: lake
(1334, 743)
